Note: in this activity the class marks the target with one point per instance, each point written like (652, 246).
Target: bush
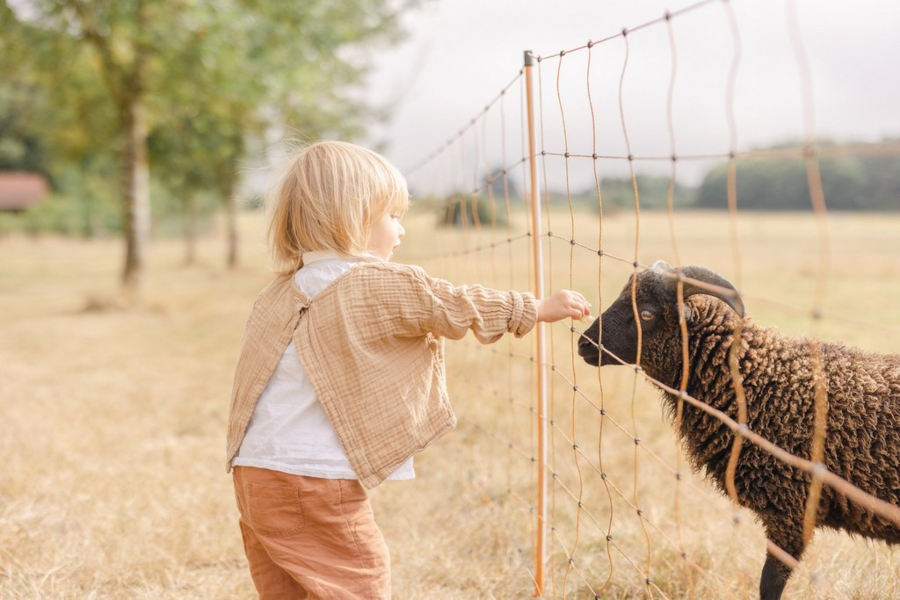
(472, 211)
(58, 214)
(9, 223)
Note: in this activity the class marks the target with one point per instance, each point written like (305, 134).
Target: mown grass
(113, 483)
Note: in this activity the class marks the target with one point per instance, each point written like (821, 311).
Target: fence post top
(529, 58)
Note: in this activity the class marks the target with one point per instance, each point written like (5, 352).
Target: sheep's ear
(662, 266)
(721, 287)
(688, 314)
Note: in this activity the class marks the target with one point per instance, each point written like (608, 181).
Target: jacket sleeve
(450, 311)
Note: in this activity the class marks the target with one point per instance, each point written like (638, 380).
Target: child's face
(385, 236)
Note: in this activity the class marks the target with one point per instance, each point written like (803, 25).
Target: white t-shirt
(289, 431)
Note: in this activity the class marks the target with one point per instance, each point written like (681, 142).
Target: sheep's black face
(651, 317)
(656, 312)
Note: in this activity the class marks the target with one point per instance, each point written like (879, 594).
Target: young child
(340, 379)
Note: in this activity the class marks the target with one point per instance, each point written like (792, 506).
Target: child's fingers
(578, 311)
(586, 310)
(581, 305)
(570, 303)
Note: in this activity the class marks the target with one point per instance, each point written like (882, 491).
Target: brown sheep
(863, 390)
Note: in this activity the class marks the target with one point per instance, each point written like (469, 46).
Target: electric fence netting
(582, 470)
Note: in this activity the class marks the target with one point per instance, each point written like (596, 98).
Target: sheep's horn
(728, 294)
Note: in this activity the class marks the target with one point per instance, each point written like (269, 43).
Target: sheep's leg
(774, 577)
(775, 573)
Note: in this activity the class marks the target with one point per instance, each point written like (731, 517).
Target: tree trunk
(136, 193)
(231, 202)
(190, 229)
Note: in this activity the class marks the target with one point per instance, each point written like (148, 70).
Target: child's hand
(562, 304)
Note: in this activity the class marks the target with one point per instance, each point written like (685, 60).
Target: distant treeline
(858, 177)
(850, 182)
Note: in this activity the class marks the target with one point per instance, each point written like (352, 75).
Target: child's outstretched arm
(451, 311)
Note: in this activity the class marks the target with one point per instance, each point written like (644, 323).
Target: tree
(247, 65)
(181, 151)
(59, 119)
(258, 66)
(124, 37)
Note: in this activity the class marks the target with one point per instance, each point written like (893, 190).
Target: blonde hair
(327, 198)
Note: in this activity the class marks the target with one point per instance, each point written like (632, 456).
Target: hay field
(113, 483)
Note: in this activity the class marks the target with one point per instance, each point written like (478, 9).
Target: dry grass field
(113, 417)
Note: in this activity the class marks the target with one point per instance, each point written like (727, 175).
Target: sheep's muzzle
(588, 348)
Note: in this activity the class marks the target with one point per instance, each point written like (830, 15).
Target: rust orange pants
(307, 537)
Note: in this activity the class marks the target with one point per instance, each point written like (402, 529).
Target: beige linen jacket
(371, 344)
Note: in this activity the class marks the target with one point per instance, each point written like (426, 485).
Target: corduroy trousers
(307, 537)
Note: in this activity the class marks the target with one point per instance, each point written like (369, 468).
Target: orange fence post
(541, 534)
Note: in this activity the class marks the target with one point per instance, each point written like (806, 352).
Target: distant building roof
(18, 191)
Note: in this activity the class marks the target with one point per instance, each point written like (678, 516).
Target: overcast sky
(460, 53)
